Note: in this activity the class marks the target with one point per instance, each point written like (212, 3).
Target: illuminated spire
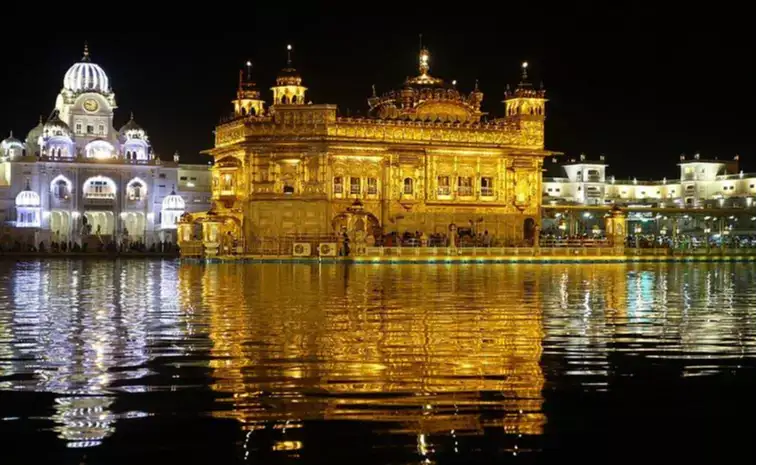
(423, 57)
(86, 52)
(524, 76)
(248, 65)
(289, 55)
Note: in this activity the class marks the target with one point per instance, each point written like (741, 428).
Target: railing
(444, 190)
(464, 190)
(487, 192)
(575, 243)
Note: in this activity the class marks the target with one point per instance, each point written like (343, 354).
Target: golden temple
(424, 159)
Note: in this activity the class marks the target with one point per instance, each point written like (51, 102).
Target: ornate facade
(76, 176)
(423, 160)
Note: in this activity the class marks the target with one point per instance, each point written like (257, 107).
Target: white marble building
(76, 177)
(701, 183)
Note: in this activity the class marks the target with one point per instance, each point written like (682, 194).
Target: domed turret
(172, 209)
(289, 89)
(132, 130)
(27, 208)
(248, 102)
(12, 147)
(56, 141)
(33, 138)
(135, 144)
(27, 198)
(86, 76)
(54, 126)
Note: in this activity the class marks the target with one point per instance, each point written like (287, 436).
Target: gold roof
(427, 98)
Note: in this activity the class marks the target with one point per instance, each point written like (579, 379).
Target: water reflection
(80, 330)
(437, 358)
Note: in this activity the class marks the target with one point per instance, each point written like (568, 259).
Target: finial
(475, 88)
(40, 119)
(28, 187)
(289, 55)
(454, 82)
(420, 41)
(173, 189)
(249, 70)
(86, 52)
(11, 133)
(423, 59)
(373, 89)
(524, 65)
(131, 115)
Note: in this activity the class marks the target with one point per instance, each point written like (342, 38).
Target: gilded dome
(427, 98)
(86, 76)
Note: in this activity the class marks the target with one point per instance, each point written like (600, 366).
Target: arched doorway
(529, 228)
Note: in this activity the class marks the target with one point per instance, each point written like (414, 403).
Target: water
(157, 362)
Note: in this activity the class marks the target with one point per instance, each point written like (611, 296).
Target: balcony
(99, 198)
(444, 190)
(487, 192)
(465, 191)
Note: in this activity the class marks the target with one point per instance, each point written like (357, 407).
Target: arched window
(407, 186)
(60, 190)
(136, 190)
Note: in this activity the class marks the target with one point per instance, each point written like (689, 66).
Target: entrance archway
(99, 222)
(60, 225)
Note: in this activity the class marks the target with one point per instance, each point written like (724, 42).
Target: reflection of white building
(75, 175)
(702, 183)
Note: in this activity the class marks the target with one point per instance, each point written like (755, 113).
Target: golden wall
(296, 171)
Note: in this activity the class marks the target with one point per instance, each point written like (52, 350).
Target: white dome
(27, 198)
(173, 202)
(86, 76)
(11, 142)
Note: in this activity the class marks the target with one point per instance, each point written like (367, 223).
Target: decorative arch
(136, 189)
(99, 187)
(61, 187)
(99, 149)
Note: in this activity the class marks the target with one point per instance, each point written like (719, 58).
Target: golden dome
(427, 98)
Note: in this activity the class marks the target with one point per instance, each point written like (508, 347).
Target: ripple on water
(437, 355)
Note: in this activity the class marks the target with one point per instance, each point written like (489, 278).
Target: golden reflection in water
(293, 343)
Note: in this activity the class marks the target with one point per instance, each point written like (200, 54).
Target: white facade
(90, 179)
(702, 183)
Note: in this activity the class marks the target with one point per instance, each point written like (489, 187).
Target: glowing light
(524, 65)
(249, 63)
(454, 82)
(75, 214)
(289, 47)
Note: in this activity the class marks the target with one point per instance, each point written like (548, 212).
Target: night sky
(640, 85)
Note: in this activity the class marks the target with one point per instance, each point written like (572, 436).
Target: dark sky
(637, 83)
